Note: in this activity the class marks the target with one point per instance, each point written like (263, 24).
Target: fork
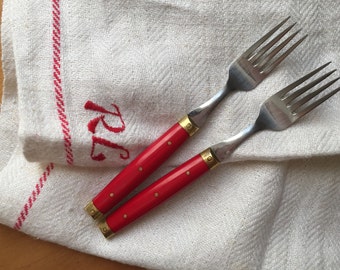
(277, 113)
(250, 69)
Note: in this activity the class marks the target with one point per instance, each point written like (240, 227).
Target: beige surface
(19, 251)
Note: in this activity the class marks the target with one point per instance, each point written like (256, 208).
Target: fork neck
(199, 115)
(224, 149)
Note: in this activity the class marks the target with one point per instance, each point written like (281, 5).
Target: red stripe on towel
(58, 90)
(33, 197)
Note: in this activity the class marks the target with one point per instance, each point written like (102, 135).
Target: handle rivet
(209, 158)
(104, 230)
(125, 216)
(140, 169)
(92, 212)
(169, 143)
(112, 194)
(188, 172)
(156, 194)
(188, 126)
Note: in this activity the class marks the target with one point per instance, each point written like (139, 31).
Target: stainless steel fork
(280, 111)
(277, 113)
(250, 69)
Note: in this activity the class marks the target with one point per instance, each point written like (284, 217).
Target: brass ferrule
(188, 125)
(93, 211)
(209, 158)
(105, 229)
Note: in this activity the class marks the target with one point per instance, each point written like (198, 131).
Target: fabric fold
(99, 82)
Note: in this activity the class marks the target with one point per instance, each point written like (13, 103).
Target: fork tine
(263, 39)
(254, 57)
(299, 92)
(316, 103)
(290, 87)
(263, 60)
(273, 64)
(308, 97)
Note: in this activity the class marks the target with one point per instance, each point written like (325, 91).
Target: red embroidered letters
(117, 127)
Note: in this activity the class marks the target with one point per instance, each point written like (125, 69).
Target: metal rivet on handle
(188, 125)
(92, 210)
(105, 229)
(209, 158)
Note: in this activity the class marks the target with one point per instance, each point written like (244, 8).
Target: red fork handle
(158, 192)
(141, 167)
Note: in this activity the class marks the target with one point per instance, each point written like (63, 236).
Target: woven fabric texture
(89, 84)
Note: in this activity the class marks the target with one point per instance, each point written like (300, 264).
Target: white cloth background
(277, 205)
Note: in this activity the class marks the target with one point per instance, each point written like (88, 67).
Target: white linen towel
(124, 72)
(91, 84)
